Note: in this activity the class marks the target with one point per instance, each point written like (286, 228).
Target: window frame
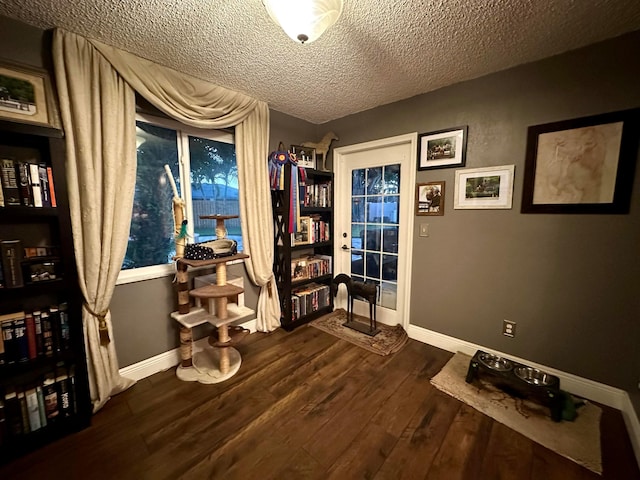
(183, 132)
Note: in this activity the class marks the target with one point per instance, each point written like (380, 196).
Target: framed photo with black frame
(442, 149)
(584, 165)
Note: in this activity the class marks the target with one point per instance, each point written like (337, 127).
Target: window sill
(158, 271)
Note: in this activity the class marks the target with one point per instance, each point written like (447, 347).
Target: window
(208, 159)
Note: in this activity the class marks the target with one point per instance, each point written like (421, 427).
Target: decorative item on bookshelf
(306, 156)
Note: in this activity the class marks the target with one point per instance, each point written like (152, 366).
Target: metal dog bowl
(533, 376)
(494, 362)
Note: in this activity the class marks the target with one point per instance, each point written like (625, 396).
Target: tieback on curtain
(102, 324)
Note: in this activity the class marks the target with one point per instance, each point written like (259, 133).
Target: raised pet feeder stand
(514, 377)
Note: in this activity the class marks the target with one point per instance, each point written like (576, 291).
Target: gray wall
(569, 281)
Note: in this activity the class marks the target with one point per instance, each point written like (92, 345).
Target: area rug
(578, 441)
(388, 341)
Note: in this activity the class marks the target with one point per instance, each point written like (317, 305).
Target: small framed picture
(484, 188)
(306, 156)
(442, 149)
(25, 94)
(303, 235)
(584, 165)
(430, 198)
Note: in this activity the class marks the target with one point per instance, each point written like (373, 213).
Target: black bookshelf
(66, 363)
(285, 252)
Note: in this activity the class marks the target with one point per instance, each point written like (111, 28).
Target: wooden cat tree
(215, 304)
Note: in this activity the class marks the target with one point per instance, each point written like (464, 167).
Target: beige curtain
(96, 87)
(97, 106)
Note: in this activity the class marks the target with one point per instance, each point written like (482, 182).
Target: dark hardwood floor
(306, 405)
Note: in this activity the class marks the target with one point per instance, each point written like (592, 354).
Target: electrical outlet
(509, 328)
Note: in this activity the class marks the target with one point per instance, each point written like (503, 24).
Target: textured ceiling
(378, 52)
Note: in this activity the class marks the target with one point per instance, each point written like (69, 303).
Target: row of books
(308, 299)
(46, 402)
(20, 265)
(26, 183)
(310, 266)
(316, 195)
(39, 333)
(312, 230)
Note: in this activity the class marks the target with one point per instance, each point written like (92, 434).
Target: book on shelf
(31, 406)
(33, 409)
(23, 176)
(10, 188)
(44, 185)
(36, 188)
(9, 347)
(310, 266)
(11, 252)
(30, 325)
(52, 190)
(21, 349)
(309, 298)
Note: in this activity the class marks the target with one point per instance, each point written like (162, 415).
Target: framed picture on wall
(442, 149)
(25, 94)
(306, 156)
(484, 188)
(584, 165)
(430, 198)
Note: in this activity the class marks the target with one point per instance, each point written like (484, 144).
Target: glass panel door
(375, 201)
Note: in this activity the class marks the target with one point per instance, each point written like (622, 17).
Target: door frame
(406, 211)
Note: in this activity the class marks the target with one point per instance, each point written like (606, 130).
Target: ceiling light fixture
(304, 20)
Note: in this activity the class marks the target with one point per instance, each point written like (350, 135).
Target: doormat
(388, 341)
(578, 441)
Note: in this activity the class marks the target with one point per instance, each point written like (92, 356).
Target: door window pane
(357, 263)
(357, 209)
(390, 267)
(357, 236)
(392, 179)
(391, 209)
(374, 181)
(372, 270)
(388, 295)
(358, 182)
(374, 234)
(374, 208)
(390, 240)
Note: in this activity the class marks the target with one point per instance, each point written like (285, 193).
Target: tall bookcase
(42, 370)
(303, 262)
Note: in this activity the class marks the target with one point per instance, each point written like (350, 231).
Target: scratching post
(221, 361)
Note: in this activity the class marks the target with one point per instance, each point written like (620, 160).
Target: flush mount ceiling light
(304, 20)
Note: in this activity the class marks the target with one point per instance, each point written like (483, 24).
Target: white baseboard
(582, 387)
(167, 360)
(633, 425)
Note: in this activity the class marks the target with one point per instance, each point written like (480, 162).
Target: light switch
(424, 229)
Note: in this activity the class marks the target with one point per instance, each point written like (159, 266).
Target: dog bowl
(533, 376)
(494, 362)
